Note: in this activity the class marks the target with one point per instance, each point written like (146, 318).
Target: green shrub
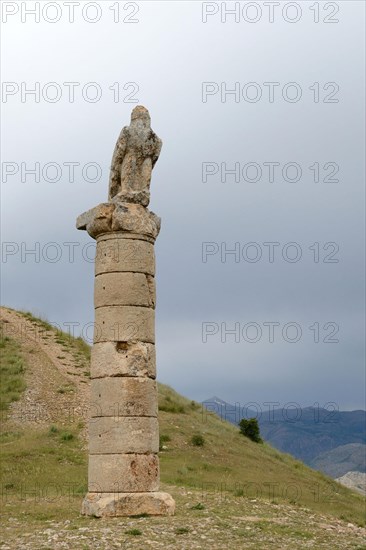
(67, 436)
(163, 438)
(250, 428)
(182, 530)
(198, 506)
(197, 440)
(52, 430)
(134, 532)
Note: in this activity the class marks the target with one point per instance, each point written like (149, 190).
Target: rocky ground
(57, 377)
(206, 521)
(210, 521)
(355, 481)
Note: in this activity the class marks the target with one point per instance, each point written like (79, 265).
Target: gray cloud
(168, 54)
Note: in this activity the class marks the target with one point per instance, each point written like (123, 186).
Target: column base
(128, 504)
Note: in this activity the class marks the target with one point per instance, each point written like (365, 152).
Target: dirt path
(56, 377)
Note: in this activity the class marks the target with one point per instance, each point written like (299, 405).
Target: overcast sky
(292, 130)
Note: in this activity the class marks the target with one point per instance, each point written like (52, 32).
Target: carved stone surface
(116, 253)
(107, 217)
(123, 475)
(128, 504)
(123, 396)
(136, 152)
(124, 289)
(123, 359)
(124, 324)
(123, 434)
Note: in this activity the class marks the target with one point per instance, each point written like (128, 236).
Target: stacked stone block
(123, 476)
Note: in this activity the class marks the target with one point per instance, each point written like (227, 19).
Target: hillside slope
(343, 459)
(305, 433)
(230, 492)
(355, 481)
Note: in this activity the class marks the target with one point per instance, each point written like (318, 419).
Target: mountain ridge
(307, 437)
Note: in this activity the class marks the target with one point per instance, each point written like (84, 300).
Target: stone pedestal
(123, 476)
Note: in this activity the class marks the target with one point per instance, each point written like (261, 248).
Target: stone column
(123, 476)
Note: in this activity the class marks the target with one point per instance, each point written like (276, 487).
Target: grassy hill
(227, 488)
(313, 438)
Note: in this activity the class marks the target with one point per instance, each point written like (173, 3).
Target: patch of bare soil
(56, 377)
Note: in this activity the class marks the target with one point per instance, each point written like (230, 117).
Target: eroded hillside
(230, 492)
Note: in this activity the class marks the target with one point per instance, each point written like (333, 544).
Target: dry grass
(44, 470)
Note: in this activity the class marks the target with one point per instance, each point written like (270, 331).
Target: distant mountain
(342, 459)
(304, 433)
(355, 481)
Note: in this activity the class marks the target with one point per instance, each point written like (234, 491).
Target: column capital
(113, 217)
